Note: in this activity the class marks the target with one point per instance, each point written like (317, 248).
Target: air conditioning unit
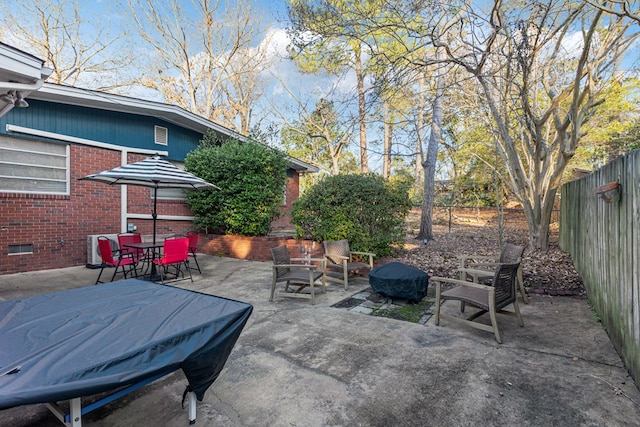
(93, 253)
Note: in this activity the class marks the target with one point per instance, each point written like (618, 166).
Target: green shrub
(364, 209)
(251, 177)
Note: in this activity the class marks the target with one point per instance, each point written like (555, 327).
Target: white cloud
(276, 41)
(573, 44)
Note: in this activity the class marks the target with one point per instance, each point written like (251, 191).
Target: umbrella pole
(154, 215)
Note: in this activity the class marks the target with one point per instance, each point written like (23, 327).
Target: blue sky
(273, 13)
(276, 9)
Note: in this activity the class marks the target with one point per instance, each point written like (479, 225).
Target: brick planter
(254, 248)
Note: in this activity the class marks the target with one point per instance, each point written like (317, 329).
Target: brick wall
(58, 226)
(293, 192)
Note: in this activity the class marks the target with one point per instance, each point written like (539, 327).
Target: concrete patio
(301, 365)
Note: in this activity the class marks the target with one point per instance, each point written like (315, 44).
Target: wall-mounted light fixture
(7, 97)
(14, 97)
(20, 102)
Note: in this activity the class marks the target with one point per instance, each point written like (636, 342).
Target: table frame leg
(192, 407)
(73, 417)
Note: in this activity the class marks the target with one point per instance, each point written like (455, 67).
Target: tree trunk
(386, 157)
(387, 138)
(362, 113)
(335, 165)
(429, 165)
(538, 220)
(418, 181)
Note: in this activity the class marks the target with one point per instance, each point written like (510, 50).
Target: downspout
(22, 86)
(6, 109)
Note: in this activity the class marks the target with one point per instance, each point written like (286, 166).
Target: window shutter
(161, 135)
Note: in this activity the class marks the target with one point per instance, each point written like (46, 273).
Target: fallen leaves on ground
(549, 271)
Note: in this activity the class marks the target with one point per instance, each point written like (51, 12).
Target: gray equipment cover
(89, 340)
(399, 280)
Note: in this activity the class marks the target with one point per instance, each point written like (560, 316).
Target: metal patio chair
(193, 247)
(175, 254)
(140, 256)
(115, 258)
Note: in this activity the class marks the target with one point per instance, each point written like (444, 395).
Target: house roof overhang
(108, 101)
(302, 167)
(170, 113)
(19, 72)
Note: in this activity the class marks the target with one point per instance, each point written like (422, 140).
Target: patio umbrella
(152, 172)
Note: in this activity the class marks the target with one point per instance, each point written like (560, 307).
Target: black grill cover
(90, 340)
(399, 280)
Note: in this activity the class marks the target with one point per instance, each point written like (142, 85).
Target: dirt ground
(469, 232)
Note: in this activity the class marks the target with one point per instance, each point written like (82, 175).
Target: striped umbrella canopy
(153, 172)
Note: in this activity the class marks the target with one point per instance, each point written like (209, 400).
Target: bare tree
(81, 49)
(387, 138)
(318, 136)
(243, 85)
(541, 70)
(201, 55)
(418, 181)
(396, 111)
(429, 163)
(621, 8)
(411, 59)
(540, 66)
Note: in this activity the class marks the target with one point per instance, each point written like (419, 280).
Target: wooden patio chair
(339, 258)
(292, 272)
(480, 268)
(489, 299)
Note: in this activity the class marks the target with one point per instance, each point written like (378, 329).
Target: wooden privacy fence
(600, 228)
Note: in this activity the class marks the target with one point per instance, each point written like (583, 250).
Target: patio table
(150, 254)
(95, 339)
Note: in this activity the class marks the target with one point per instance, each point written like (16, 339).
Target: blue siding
(117, 128)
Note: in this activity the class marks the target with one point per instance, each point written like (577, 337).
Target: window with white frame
(21, 249)
(32, 166)
(172, 193)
